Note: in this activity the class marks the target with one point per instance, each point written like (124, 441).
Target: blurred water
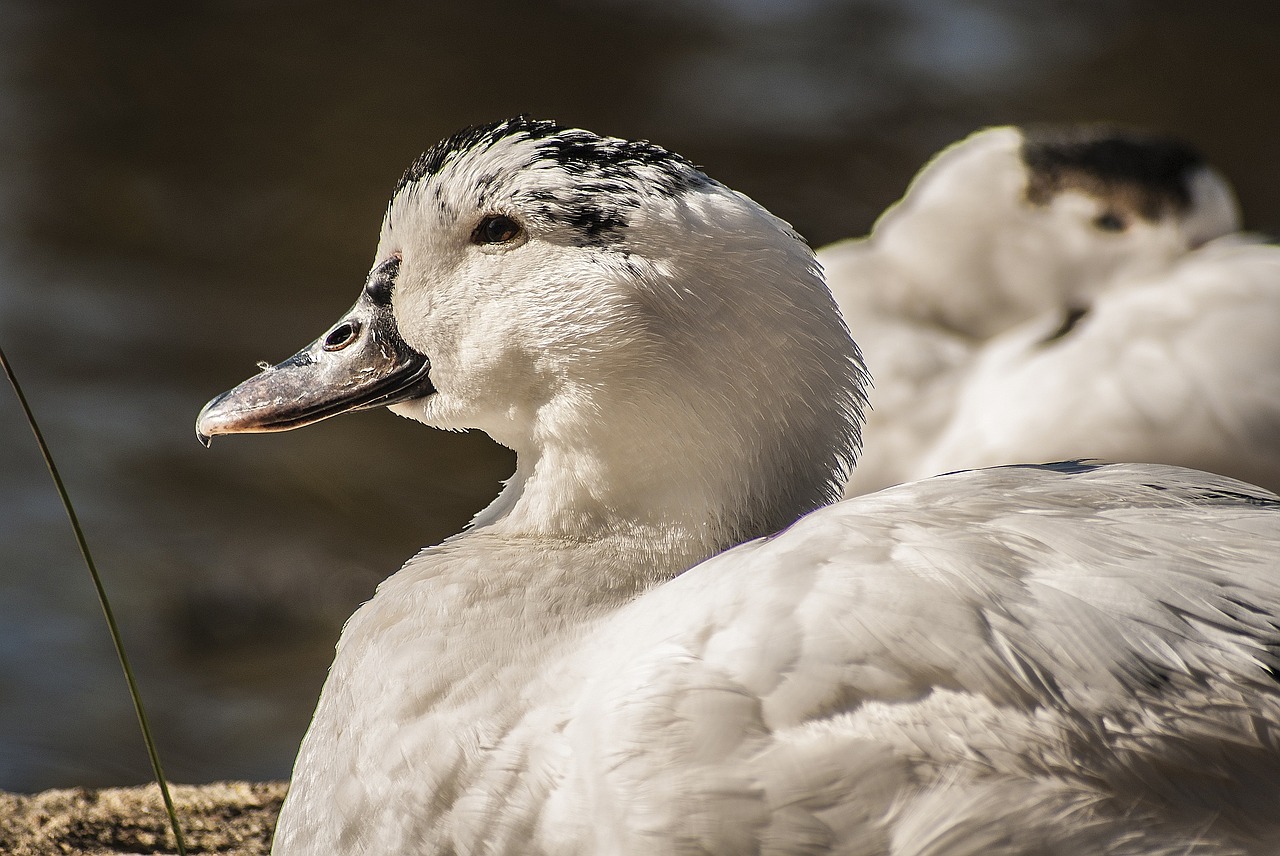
(186, 189)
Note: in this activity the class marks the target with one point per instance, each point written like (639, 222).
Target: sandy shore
(224, 817)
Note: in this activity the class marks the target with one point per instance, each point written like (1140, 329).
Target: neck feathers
(734, 409)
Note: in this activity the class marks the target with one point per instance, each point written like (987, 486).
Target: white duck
(1180, 368)
(1005, 226)
(1067, 659)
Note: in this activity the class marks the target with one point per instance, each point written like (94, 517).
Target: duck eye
(495, 229)
(1109, 221)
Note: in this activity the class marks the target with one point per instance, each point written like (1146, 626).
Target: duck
(1179, 367)
(667, 634)
(1005, 227)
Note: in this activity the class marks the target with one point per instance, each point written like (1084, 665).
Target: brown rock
(234, 818)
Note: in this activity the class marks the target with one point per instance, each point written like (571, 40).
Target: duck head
(1011, 222)
(645, 338)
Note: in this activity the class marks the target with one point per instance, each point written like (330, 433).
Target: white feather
(1181, 368)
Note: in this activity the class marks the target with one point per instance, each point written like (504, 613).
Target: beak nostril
(342, 335)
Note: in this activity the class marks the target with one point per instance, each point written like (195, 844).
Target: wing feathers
(1022, 647)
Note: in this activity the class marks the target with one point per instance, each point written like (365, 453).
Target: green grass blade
(106, 609)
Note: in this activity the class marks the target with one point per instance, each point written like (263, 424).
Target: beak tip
(210, 420)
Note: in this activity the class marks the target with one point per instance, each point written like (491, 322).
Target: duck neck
(664, 522)
(701, 457)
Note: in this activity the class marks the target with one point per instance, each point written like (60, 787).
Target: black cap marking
(1140, 173)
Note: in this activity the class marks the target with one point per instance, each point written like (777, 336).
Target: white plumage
(1004, 228)
(1070, 659)
(1179, 368)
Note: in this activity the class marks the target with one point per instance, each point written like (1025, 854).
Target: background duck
(1181, 367)
(1026, 659)
(1000, 228)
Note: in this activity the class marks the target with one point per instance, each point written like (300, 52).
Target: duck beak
(362, 362)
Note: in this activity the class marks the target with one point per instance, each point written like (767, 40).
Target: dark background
(188, 188)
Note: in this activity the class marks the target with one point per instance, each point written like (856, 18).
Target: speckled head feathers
(609, 174)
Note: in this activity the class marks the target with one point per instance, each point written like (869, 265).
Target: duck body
(1178, 368)
(1000, 230)
(662, 637)
(866, 681)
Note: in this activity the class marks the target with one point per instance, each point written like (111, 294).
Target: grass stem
(106, 608)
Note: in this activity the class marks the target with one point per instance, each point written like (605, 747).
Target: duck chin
(422, 410)
(440, 412)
